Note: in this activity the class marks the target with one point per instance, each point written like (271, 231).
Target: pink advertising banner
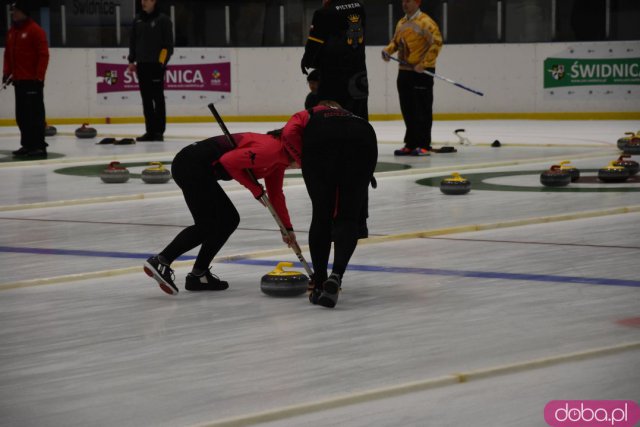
(190, 77)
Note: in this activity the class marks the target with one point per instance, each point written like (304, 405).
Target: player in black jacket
(336, 47)
(150, 48)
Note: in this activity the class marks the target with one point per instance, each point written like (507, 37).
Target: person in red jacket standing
(196, 169)
(26, 58)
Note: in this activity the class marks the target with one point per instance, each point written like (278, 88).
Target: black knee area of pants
(345, 228)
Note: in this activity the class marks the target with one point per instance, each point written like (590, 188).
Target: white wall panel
(268, 82)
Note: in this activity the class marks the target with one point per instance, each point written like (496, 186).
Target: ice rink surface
(471, 310)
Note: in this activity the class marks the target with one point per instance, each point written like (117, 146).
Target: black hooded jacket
(150, 33)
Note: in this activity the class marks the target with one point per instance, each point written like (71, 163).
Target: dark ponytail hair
(277, 133)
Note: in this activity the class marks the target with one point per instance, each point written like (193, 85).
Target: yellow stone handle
(156, 166)
(279, 268)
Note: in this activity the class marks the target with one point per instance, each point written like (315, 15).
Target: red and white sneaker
(162, 273)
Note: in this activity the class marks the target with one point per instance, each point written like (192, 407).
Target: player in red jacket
(338, 153)
(196, 169)
(26, 58)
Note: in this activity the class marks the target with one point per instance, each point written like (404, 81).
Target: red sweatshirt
(26, 55)
(267, 158)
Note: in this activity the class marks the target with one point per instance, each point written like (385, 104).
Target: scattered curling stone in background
(50, 130)
(86, 132)
(555, 177)
(114, 174)
(156, 174)
(280, 283)
(575, 172)
(496, 143)
(633, 145)
(623, 141)
(629, 165)
(455, 184)
(613, 173)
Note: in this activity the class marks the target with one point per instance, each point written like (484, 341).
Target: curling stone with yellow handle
(633, 146)
(622, 142)
(455, 184)
(567, 166)
(156, 174)
(281, 283)
(555, 177)
(613, 173)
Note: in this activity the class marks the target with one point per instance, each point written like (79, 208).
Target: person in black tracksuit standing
(150, 48)
(336, 47)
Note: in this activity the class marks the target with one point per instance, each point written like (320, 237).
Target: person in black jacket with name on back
(150, 47)
(336, 47)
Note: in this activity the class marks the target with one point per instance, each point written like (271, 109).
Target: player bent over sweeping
(338, 152)
(196, 169)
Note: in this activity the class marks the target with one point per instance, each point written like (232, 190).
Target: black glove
(6, 80)
(303, 68)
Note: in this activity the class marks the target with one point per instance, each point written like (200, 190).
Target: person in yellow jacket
(418, 41)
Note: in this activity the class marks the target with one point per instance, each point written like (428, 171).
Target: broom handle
(264, 199)
(460, 85)
(283, 230)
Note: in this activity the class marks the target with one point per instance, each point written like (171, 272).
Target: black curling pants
(415, 91)
(339, 157)
(151, 81)
(215, 216)
(30, 113)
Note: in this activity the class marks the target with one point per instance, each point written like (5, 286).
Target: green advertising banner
(560, 72)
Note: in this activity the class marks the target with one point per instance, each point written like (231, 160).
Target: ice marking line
(602, 281)
(546, 278)
(104, 199)
(66, 160)
(524, 242)
(371, 240)
(141, 224)
(502, 224)
(79, 252)
(414, 387)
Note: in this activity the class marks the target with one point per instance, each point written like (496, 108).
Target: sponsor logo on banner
(592, 413)
(188, 78)
(580, 72)
(593, 71)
